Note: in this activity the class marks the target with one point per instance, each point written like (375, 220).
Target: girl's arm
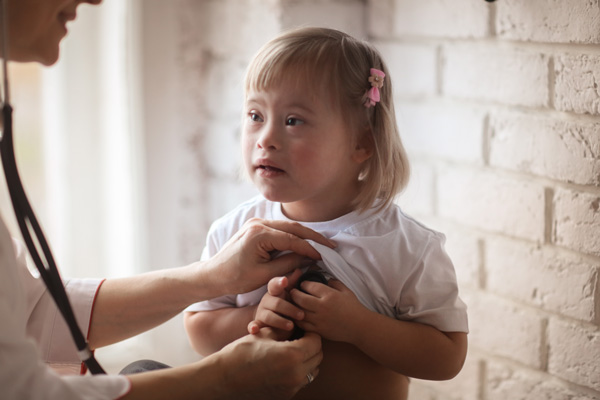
(412, 349)
(210, 331)
(409, 348)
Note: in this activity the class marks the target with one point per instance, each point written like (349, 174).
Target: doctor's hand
(258, 367)
(276, 310)
(247, 260)
(252, 367)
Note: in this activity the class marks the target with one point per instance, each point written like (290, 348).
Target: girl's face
(36, 28)
(299, 150)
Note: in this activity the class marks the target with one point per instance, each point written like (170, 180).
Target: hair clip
(376, 80)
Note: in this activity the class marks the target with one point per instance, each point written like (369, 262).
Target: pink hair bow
(376, 80)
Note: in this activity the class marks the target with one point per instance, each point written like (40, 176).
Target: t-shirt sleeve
(430, 294)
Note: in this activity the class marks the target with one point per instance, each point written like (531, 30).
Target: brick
(554, 21)
(573, 352)
(505, 329)
(492, 202)
(505, 381)
(577, 83)
(380, 18)
(455, 133)
(419, 197)
(563, 149)
(229, 21)
(577, 221)
(542, 277)
(347, 15)
(413, 68)
(497, 73)
(441, 18)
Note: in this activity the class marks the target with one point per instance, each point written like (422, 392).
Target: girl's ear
(364, 148)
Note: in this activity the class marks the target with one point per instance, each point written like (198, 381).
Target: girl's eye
(254, 117)
(293, 121)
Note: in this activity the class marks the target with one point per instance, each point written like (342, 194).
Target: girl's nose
(268, 138)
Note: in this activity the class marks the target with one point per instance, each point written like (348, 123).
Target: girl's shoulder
(393, 220)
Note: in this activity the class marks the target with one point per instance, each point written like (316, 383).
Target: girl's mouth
(268, 168)
(267, 171)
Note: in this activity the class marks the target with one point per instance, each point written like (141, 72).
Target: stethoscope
(30, 228)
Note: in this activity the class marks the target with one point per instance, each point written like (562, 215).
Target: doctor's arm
(125, 307)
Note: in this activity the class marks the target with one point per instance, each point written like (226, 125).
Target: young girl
(320, 142)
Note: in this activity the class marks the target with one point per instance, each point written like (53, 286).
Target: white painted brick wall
(573, 352)
(499, 104)
(506, 381)
(564, 149)
(414, 67)
(446, 18)
(464, 248)
(577, 83)
(419, 197)
(543, 277)
(557, 21)
(504, 328)
(576, 223)
(346, 15)
(454, 134)
(496, 72)
(491, 202)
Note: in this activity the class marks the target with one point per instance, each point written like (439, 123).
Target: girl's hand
(275, 309)
(329, 310)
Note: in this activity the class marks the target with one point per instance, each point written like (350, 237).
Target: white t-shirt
(393, 264)
(33, 336)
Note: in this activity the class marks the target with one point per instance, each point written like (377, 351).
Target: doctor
(33, 334)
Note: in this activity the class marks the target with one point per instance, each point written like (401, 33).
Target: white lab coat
(34, 337)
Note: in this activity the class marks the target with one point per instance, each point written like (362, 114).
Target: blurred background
(129, 149)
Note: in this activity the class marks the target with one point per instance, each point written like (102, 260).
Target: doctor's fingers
(309, 347)
(286, 263)
(295, 229)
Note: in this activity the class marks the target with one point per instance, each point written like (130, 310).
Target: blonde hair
(330, 59)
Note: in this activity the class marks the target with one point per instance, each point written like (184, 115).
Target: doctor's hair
(328, 60)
